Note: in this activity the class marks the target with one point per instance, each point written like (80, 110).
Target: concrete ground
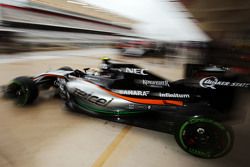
(48, 135)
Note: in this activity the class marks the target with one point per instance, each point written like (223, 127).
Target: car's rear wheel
(23, 90)
(204, 138)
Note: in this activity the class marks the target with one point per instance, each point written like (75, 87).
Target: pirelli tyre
(204, 138)
(23, 90)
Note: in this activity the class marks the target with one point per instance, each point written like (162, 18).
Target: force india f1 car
(191, 109)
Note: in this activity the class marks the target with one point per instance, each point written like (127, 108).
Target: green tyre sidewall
(197, 153)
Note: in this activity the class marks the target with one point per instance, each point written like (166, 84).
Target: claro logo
(92, 98)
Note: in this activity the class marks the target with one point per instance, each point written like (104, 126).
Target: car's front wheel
(204, 138)
(23, 90)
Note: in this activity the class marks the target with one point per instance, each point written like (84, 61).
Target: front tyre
(204, 138)
(23, 90)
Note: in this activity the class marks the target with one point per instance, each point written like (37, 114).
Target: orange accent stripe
(145, 101)
(174, 102)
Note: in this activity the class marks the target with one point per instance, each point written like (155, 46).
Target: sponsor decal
(132, 92)
(137, 71)
(211, 82)
(131, 106)
(242, 85)
(140, 107)
(174, 95)
(152, 83)
(104, 66)
(92, 98)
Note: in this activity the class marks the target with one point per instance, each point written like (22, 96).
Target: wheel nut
(201, 131)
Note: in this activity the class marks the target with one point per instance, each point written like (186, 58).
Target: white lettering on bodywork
(132, 92)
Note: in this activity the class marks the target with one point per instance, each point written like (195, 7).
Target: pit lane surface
(48, 135)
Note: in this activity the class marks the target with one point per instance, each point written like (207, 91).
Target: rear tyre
(23, 90)
(204, 138)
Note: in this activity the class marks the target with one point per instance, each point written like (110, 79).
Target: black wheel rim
(17, 91)
(205, 138)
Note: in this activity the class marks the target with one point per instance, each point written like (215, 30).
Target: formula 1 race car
(194, 109)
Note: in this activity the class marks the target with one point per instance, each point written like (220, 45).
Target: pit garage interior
(47, 134)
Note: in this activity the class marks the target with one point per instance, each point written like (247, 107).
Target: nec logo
(135, 71)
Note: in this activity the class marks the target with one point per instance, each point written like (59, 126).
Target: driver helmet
(105, 65)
